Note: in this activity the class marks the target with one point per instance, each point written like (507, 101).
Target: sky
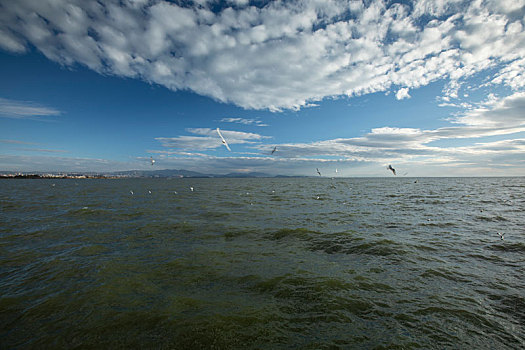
(434, 88)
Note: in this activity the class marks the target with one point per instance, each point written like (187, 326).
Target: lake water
(276, 263)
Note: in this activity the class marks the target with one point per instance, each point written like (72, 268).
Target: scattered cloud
(283, 55)
(208, 139)
(507, 112)
(24, 110)
(402, 94)
(493, 118)
(244, 121)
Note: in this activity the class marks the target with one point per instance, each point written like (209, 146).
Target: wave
(446, 274)
(300, 233)
(382, 247)
(495, 218)
(517, 247)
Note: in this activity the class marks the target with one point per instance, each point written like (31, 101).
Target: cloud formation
(402, 94)
(24, 110)
(283, 55)
(208, 139)
(244, 121)
(495, 117)
(407, 146)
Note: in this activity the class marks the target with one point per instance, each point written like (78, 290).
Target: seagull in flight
(501, 235)
(390, 168)
(223, 140)
(274, 149)
(152, 160)
(318, 171)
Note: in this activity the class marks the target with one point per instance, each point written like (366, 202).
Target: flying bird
(152, 160)
(318, 171)
(223, 140)
(501, 235)
(390, 168)
(274, 149)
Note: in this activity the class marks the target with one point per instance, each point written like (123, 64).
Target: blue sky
(435, 88)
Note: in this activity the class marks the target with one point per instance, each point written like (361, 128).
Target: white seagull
(223, 140)
(318, 171)
(501, 235)
(152, 160)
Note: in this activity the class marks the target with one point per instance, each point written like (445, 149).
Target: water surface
(304, 263)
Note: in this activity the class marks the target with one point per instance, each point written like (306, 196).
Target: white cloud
(281, 55)
(190, 142)
(244, 121)
(208, 139)
(402, 94)
(507, 112)
(512, 75)
(24, 110)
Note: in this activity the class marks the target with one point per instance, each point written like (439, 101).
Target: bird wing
(223, 140)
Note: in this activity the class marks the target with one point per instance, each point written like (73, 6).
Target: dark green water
(317, 264)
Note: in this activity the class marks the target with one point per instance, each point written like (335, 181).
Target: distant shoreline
(38, 176)
(132, 174)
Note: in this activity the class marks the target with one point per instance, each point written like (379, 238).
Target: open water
(281, 263)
